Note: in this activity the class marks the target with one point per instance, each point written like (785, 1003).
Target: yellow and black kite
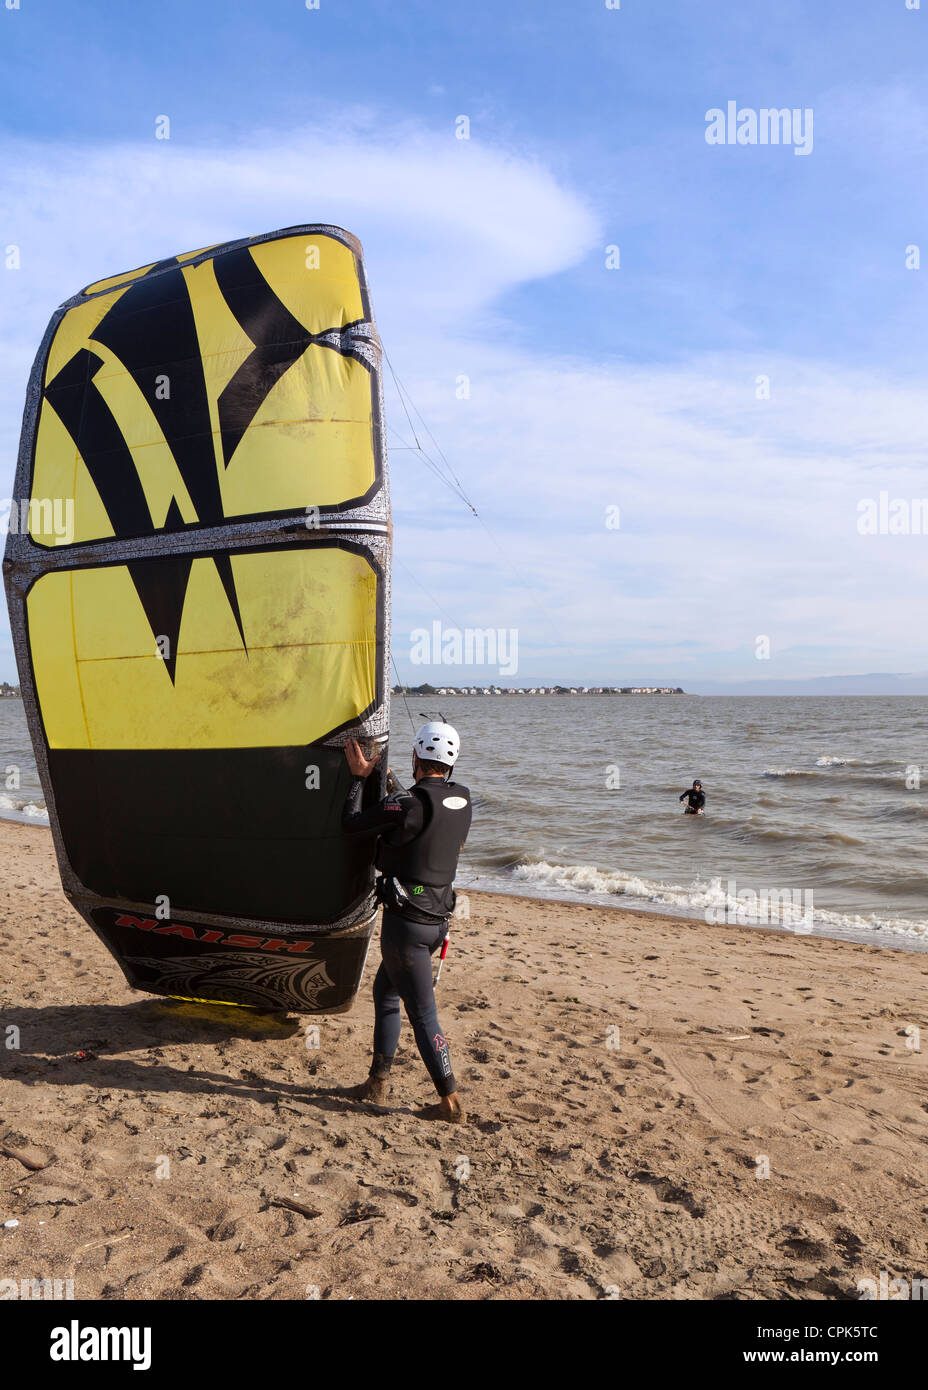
(197, 573)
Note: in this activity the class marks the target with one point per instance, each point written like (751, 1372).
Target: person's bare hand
(359, 765)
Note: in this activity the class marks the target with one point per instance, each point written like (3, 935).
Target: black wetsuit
(420, 838)
(695, 798)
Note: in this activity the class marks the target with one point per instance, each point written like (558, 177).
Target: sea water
(576, 798)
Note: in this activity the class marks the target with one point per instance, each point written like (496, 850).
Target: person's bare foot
(448, 1109)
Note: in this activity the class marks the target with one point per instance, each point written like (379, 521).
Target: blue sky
(590, 387)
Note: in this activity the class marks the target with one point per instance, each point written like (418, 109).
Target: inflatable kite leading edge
(199, 599)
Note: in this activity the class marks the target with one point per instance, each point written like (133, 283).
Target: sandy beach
(627, 1077)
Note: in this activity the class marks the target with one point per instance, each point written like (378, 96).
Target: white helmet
(438, 743)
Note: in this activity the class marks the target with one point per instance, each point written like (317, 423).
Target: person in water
(695, 798)
(420, 833)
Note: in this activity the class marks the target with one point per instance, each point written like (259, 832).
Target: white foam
(700, 896)
(833, 762)
(10, 809)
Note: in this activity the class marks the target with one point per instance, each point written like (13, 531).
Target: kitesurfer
(420, 833)
(695, 799)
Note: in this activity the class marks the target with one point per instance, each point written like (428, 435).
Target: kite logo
(163, 295)
(212, 937)
(158, 444)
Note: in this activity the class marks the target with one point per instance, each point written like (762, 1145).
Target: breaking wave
(579, 881)
(32, 811)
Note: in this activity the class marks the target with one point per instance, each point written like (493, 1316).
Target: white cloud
(738, 516)
(447, 224)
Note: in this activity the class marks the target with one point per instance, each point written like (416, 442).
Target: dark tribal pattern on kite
(197, 643)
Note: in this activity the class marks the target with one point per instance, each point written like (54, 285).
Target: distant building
(6, 689)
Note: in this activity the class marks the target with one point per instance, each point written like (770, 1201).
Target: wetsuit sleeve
(401, 811)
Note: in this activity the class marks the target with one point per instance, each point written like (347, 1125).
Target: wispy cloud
(737, 515)
(448, 225)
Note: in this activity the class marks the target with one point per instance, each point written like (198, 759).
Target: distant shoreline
(538, 690)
